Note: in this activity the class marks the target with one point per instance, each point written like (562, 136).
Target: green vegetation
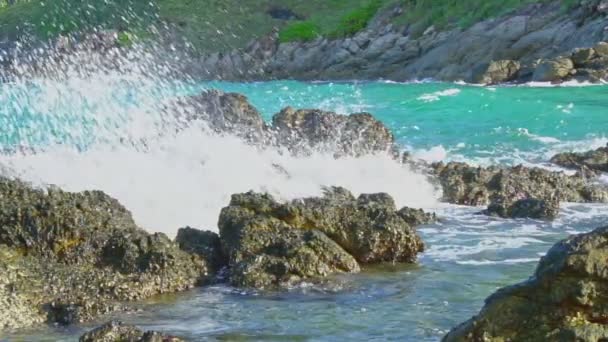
(220, 25)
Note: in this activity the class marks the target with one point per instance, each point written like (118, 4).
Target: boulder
(596, 160)
(524, 208)
(565, 300)
(495, 72)
(74, 256)
(554, 70)
(307, 131)
(270, 243)
(601, 49)
(118, 331)
(581, 57)
(504, 187)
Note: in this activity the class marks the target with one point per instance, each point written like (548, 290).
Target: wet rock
(565, 299)
(582, 56)
(225, 113)
(596, 160)
(554, 70)
(307, 131)
(204, 243)
(601, 49)
(118, 331)
(469, 185)
(272, 243)
(74, 256)
(496, 72)
(524, 208)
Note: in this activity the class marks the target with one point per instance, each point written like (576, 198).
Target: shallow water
(88, 139)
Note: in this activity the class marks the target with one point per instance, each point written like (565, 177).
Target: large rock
(73, 256)
(204, 243)
(271, 243)
(504, 187)
(596, 160)
(306, 131)
(554, 70)
(565, 300)
(117, 331)
(495, 72)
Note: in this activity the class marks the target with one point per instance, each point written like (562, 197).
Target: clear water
(89, 137)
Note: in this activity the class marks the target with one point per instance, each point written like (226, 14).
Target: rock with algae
(118, 331)
(270, 243)
(69, 257)
(565, 300)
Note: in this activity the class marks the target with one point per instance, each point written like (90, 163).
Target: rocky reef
(565, 299)
(516, 191)
(588, 162)
(118, 331)
(69, 257)
(279, 244)
(302, 132)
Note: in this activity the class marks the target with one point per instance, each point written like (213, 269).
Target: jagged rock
(74, 256)
(305, 131)
(554, 70)
(226, 113)
(118, 331)
(416, 217)
(565, 299)
(272, 243)
(596, 160)
(302, 132)
(204, 243)
(524, 208)
(469, 185)
(496, 72)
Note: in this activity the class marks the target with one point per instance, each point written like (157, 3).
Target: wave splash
(107, 129)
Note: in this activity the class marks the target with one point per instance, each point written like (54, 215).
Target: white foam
(436, 96)
(168, 177)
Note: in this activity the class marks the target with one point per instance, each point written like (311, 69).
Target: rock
(272, 243)
(504, 187)
(524, 208)
(308, 131)
(581, 57)
(74, 256)
(118, 331)
(601, 49)
(204, 243)
(565, 299)
(225, 113)
(553, 70)
(596, 160)
(416, 217)
(496, 72)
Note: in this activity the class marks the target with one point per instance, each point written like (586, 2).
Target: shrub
(299, 31)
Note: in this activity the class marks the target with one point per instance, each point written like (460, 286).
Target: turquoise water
(468, 256)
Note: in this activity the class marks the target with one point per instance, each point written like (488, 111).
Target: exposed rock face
(302, 132)
(496, 72)
(492, 48)
(270, 243)
(73, 256)
(596, 160)
(117, 331)
(204, 243)
(306, 131)
(565, 300)
(515, 191)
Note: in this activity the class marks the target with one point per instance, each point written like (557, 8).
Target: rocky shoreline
(68, 257)
(538, 42)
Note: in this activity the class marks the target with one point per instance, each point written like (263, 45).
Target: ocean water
(108, 131)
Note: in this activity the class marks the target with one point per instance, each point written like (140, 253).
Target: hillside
(222, 25)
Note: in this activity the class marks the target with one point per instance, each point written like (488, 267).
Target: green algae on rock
(118, 331)
(74, 256)
(565, 299)
(595, 161)
(270, 243)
